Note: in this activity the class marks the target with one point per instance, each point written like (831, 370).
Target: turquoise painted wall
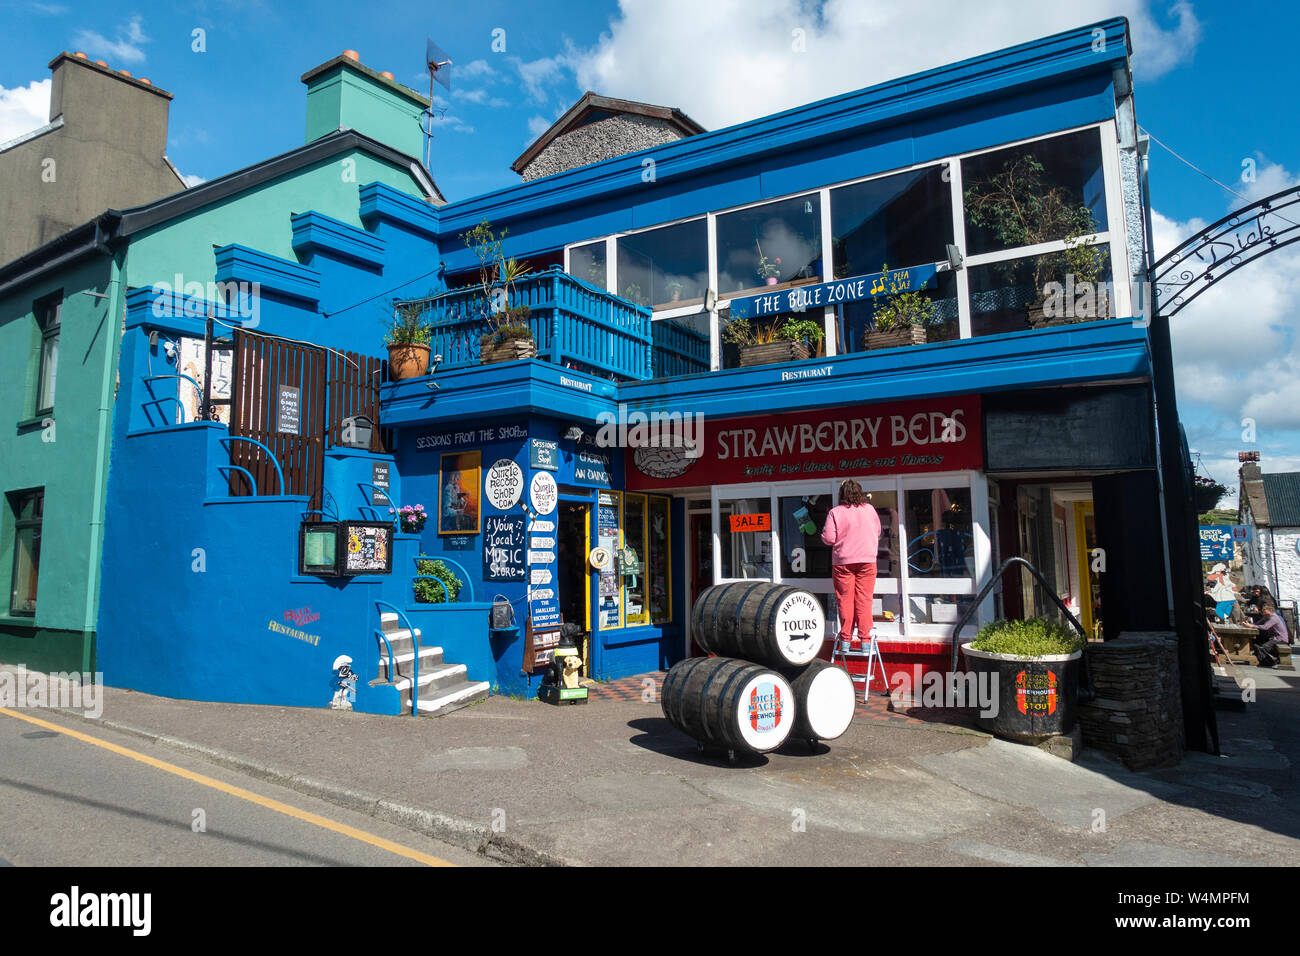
(259, 218)
(66, 458)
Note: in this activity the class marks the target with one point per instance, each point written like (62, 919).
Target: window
(1015, 294)
(1037, 192)
(900, 221)
(49, 316)
(28, 507)
(746, 533)
(665, 268)
(659, 561)
(588, 263)
(633, 563)
(775, 244)
(855, 319)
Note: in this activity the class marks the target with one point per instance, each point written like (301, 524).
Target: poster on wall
(504, 484)
(369, 548)
(190, 363)
(607, 615)
(503, 547)
(458, 492)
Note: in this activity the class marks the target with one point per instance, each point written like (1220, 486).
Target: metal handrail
(154, 399)
(365, 484)
(465, 578)
(279, 472)
(1086, 689)
(392, 660)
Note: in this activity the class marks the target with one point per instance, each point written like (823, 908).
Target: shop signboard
(543, 493)
(914, 437)
(368, 548)
(503, 547)
(288, 419)
(1216, 542)
(544, 454)
(504, 484)
(801, 298)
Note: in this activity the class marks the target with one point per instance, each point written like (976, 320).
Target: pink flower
(390, 511)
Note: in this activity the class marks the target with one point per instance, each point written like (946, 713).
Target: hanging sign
(290, 410)
(934, 434)
(503, 547)
(804, 297)
(1216, 542)
(544, 454)
(503, 485)
(543, 493)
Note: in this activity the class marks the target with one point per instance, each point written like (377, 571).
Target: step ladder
(841, 649)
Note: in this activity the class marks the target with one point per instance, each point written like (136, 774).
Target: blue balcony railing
(575, 325)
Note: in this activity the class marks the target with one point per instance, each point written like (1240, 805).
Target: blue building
(731, 290)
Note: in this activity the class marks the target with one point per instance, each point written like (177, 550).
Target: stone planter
(896, 338)
(407, 360)
(1037, 697)
(781, 351)
(491, 351)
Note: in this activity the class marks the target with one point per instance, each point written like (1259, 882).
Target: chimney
(1249, 470)
(342, 93)
(109, 106)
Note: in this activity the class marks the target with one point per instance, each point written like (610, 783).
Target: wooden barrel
(728, 703)
(824, 698)
(772, 624)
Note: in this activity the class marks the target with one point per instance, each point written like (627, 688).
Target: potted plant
(439, 583)
(509, 334)
(901, 318)
(632, 292)
(411, 518)
(1035, 664)
(781, 340)
(674, 290)
(1206, 493)
(407, 338)
(1017, 208)
(769, 272)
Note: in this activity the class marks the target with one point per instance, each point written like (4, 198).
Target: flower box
(509, 350)
(896, 338)
(782, 351)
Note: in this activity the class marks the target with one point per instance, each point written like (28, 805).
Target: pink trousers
(855, 586)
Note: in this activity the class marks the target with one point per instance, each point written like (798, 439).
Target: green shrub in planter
(1036, 637)
(431, 592)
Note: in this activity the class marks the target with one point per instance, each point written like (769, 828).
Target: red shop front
(759, 489)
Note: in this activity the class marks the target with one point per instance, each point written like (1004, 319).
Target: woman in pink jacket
(853, 532)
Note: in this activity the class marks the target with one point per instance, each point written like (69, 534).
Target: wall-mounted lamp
(954, 256)
(710, 300)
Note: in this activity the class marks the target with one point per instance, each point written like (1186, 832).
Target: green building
(62, 308)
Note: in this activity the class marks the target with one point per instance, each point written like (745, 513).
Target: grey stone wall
(1137, 714)
(604, 139)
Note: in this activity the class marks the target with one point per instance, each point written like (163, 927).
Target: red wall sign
(936, 434)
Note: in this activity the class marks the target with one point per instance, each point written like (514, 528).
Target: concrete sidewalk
(613, 783)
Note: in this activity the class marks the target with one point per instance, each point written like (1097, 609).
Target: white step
(441, 672)
(458, 697)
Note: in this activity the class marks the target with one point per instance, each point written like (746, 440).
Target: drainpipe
(103, 436)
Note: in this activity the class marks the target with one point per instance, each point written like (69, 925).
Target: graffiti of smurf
(344, 683)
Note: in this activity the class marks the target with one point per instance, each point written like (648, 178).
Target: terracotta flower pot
(771, 280)
(781, 351)
(407, 360)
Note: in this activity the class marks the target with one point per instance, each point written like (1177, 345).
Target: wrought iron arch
(1222, 248)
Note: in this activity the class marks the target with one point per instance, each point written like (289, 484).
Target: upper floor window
(903, 220)
(49, 315)
(1045, 191)
(28, 510)
(777, 243)
(588, 263)
(664, 268)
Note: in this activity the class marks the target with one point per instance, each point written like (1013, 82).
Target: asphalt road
(66, 801)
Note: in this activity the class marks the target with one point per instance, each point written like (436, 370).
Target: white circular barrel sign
(504, 484)
(800, 627)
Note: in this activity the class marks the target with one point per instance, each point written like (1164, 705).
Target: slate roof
(1282, 492)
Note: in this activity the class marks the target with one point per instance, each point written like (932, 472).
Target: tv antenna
(438, 63)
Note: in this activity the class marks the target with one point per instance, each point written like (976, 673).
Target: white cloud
(23, 109)
(190, 180)
(537, 125)
(749, 67)
(538, 76)
(125, 48)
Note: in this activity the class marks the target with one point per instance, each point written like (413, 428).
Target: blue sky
(1214, 80)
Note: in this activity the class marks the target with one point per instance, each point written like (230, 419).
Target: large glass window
(1042, 191)
(28, 510)
(775, 244)
(940, 530)
(665, 268)
(633, 561)
(49, 317)
(855, 320)
(1016, 294)
(903, 220)
(746, 537)
(803, 554)
(588, 263)
(680, 345)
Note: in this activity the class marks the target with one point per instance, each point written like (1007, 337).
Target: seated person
(1272, 632)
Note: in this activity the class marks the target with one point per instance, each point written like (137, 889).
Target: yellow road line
(276, 805)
